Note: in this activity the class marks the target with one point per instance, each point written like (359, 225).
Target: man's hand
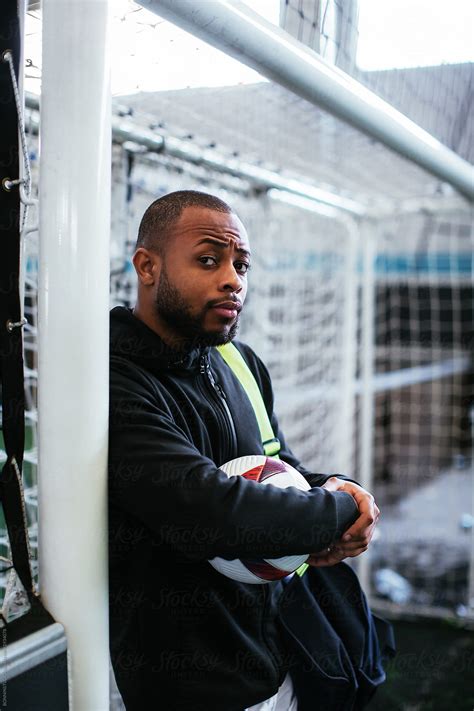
(357, 538)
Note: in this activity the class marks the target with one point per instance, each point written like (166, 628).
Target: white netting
(422, 434)
(424, 311)
(353, 34)
(13, 601)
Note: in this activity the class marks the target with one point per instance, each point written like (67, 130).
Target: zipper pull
(222, 393)
(213, 381)
(202, 365)
(210, 375)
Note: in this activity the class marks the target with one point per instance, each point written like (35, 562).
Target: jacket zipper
(220, 397)
(205, 369)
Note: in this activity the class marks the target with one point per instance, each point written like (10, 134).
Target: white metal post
(73, 336)
(367, 360)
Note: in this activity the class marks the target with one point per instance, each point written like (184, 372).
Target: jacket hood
(132, 339)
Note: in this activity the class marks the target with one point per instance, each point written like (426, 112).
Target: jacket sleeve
(260, 372)
(160, 478)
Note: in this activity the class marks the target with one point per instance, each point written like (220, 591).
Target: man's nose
(230, 279)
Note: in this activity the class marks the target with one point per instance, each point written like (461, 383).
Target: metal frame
(241, 33)
(34, 649)
(128, 134)
(73, 318)
(74, 263)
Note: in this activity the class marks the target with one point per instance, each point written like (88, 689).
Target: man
(183, 636)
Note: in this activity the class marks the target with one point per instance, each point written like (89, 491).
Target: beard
(176, 313)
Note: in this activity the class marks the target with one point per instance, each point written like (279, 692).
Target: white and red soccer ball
(264, 470)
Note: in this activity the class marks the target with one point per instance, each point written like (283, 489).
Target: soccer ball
(265, 470)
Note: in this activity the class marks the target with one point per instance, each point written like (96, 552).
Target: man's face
(205, 264)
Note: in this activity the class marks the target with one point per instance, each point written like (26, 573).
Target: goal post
(73, 318)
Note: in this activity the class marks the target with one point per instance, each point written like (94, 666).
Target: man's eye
(243, 267)
(203, 260)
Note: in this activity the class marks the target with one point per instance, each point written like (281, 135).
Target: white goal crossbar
(233, 28)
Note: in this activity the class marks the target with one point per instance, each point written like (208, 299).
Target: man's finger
(330, 556)
(357, 533)
(363, 527)
(324, 561)
(335, 554)
(352, 546)
(362, 538)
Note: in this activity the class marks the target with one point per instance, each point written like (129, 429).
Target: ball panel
(254, 474)
(287, 478)
(264, 570)
(236, 570)
(240, 465)
(288, 563)
(273, 466)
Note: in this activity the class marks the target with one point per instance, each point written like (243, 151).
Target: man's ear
(147, 266)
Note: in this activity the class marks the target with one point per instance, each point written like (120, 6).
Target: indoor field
(341, 132)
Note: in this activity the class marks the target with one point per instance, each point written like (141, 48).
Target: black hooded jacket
(183, 636)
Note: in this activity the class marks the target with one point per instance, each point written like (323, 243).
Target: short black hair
(164, 212)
